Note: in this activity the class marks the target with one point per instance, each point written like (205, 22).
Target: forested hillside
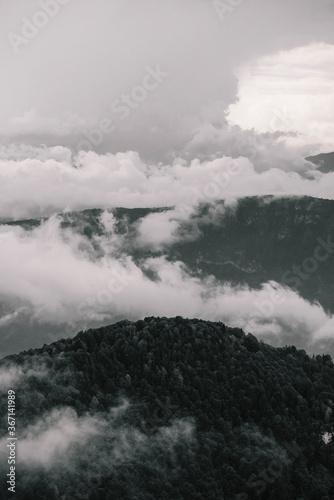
(170, 409)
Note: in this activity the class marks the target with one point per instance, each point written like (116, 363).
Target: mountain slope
(257, 240)
(171, 409)
(262, 240)
(325, 162)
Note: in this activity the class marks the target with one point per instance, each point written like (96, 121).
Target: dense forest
(169, 409)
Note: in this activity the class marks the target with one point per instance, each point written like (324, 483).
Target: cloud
(289, 91)
(51, 439)
(161, 229)
(55, 266)
(279, 315)
(8, 318)
(59, 440)
(11, 376)
(20, 152)
(31, 122)
(53, 87)
(47, 183)
(60, 276)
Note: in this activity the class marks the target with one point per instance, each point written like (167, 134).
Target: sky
(63, 76)
(289, 90)
(155, 104)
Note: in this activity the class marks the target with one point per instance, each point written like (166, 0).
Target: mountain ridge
(324, 162)
(228, 405)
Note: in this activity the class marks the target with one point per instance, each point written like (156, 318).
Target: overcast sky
(59, 79)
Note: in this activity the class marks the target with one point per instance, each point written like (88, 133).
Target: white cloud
(59, 277)
(11, 376)
(24, 152)
(289, 91)
(157, 230)
(51, 439)
(60, 439)
(53, 87)
(40, 186)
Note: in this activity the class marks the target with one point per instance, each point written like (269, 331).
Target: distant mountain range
(170, 408)
(324, 161)
(287, 240)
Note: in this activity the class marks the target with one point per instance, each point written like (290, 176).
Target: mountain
(257, 240)
(254, 241)
(262, 239)
(325, 162)
(169, 408)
